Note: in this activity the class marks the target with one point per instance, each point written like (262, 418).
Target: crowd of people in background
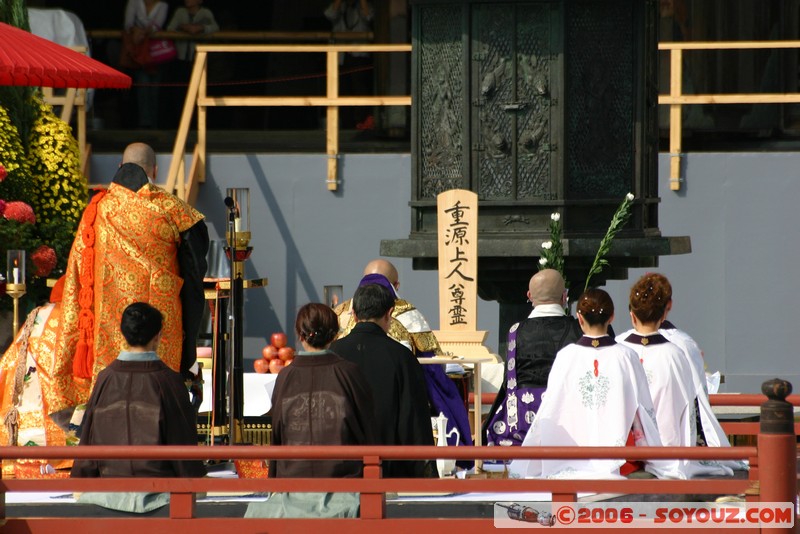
(161, 68)
(152, 61)
(160, 65)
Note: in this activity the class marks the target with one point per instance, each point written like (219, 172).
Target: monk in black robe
(533, 344)
(395, 376)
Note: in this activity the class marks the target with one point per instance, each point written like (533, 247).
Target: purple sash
(513, 419)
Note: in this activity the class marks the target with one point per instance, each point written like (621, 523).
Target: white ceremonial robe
(691, 350)
(593, 397)
(712, 431)
(673, 388)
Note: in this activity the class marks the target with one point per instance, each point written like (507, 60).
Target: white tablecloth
(257, 393)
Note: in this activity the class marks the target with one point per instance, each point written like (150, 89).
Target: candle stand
(237, 251)
(15, 281)
(16, 292)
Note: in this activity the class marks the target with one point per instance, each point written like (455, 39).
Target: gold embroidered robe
(136, 235)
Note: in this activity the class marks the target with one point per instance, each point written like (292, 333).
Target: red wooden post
(373, 505)
(752, 493)
(2, 506)
(2, 498)
(777, 447)
(753, 462)
(181, 505)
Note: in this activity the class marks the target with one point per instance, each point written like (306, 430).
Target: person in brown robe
(320, 399)
(138, 400)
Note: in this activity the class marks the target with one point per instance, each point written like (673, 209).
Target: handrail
(197, 96)
(745, 399)
(676, 99)
(734, 428)
(372, 488)
(380, 485)
(715, 399)
(772, 479)
(352, 452)
(251, 36)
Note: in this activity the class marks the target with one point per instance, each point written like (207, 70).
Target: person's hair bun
(596, 306)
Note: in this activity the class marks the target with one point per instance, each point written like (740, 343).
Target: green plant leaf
(618, 220)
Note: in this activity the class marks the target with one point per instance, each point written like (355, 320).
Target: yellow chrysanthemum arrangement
(16, 184)
(55, 167)
(42, 194)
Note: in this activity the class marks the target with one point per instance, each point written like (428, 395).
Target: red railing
(741, 428)
(716, 399)
(772, 478)
(372, 488)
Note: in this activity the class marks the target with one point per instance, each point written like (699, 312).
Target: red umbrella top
(29, 60)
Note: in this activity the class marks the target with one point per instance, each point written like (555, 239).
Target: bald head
(546, 287)
(381, 266)
(143, 156)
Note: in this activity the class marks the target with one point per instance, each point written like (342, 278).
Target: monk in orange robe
(135, 243)
(22, 370)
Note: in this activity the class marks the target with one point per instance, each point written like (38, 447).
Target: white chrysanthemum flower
(555, 216)
(547, 245)
(542, 261)
(629, 196)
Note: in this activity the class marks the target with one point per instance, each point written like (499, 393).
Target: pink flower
(44, 260)
(2, 206)
(20, 212)
(3, 173)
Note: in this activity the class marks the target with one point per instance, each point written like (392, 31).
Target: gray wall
(734, 293)
(306, 237)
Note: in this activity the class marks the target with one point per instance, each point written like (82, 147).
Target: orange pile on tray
(275, 356)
